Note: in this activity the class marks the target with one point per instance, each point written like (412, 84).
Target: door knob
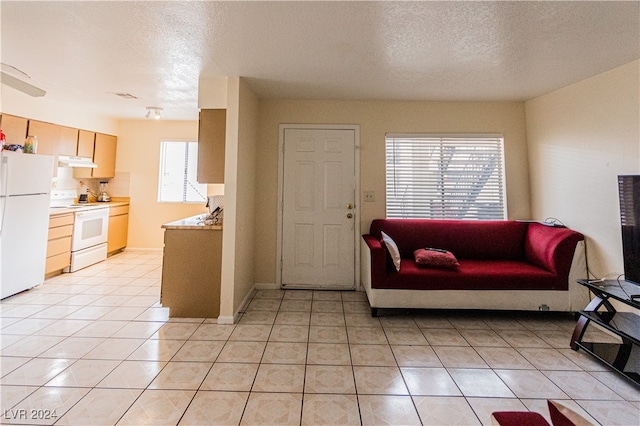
(349, 216)
(350, 206)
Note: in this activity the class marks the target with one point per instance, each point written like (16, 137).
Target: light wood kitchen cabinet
(211, 144)
(118, 228)
(14, 128)
(191, 270)
(54, 139)
(103, 153)
(68, 142)
(86, 142)
(59, 243)
(86, 139)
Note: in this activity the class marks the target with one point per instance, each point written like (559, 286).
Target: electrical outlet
(369, 196)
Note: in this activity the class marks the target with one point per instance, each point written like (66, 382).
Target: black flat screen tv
(629, 192)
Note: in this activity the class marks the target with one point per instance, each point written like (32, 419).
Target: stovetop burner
(66, 199)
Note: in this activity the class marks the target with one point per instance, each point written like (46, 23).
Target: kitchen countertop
(193, 222)
(55, 211)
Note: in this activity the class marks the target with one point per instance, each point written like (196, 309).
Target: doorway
(318, 216)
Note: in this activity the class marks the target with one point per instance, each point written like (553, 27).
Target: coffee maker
(103, 197)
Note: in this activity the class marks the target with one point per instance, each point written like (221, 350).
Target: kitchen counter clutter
(193, 222)
(191, 268)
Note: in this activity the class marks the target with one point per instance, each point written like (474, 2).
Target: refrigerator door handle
(4, 171)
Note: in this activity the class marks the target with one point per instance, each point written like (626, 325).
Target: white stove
(67, 199)
(90, 228)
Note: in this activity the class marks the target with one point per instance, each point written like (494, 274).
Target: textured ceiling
(86, 51)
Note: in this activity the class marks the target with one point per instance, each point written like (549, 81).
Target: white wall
(580, 138)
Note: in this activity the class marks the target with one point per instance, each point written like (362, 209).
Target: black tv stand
(623, 357)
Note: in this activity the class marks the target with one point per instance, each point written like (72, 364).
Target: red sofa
(502, 265)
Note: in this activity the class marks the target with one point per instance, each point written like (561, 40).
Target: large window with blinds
(445, 176)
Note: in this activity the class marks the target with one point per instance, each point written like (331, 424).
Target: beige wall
(245, 196)
(138, 154)
(239, 202)
(65, 114)
(375, 119)
(580, 138)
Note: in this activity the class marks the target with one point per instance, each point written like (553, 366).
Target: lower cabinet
(118, 228)
(191, 268)
(59, 243)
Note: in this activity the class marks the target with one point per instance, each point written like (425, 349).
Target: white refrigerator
(25, 190)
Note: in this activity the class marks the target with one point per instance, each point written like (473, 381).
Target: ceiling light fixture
(8, 77)
(156, 112)
(123, 95)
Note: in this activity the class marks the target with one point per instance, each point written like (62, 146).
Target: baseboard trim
(226, 319)
(266, 286)
(243, 306)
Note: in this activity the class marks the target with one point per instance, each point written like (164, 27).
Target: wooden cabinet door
(117, 232)
(48, 136)
(211, 141)
(54, 139)
(68, 142)
(86, 140)
(85, 143)
(15, 128)
(104, 155)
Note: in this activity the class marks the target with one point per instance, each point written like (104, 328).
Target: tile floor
(95, 348)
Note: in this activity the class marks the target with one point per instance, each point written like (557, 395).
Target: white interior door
(318, 214)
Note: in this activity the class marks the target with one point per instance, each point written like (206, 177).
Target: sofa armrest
(551, 248)
(378, 257)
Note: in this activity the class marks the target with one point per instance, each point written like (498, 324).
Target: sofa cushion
(468, 239)
(392, 249)
(471, 275)
(435, 258)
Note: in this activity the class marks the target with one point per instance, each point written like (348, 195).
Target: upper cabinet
(86, 139)
(211, 141)
(54, 139)
(61, 140)
(15, 128)
(102, 149)
(104, 155)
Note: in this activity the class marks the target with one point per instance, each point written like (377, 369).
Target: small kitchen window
(178, 169)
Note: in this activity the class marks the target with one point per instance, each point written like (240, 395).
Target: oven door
(90, 228)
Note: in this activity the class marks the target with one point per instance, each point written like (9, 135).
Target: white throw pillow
(393, 250)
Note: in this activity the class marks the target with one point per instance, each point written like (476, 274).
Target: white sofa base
(574, 299)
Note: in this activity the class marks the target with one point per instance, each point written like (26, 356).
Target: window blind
(445, 177)
(178, 171)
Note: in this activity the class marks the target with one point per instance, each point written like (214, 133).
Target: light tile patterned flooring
(95, 348)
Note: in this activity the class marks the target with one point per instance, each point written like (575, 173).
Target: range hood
(66, 161)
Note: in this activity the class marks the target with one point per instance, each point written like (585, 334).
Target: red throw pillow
(518, 418)
(436, 258)
(564, 416)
